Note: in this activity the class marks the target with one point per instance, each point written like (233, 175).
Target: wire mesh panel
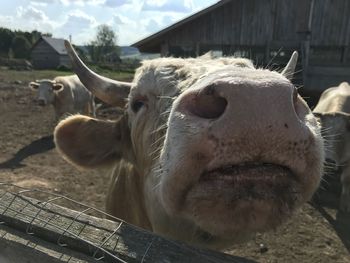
(96, 238)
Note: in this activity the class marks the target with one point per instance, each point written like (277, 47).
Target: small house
(49, 53)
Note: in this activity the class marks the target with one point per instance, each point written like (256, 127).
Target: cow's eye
(136, 105)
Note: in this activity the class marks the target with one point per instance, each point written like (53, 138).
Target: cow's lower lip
(247, 171)
(250, 180)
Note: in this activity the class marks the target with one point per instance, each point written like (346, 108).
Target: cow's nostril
(41, 102)
(208, 105)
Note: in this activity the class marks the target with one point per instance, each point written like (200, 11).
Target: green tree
(6, 38)
(81, 53)
(104, 43)
(28, 36)
(46, 34)
(21, 47)
(35, 36)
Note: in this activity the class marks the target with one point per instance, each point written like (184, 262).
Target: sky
(132, 20)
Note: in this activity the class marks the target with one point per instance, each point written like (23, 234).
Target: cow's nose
(207, 104)
(233, 104)
(41, 102)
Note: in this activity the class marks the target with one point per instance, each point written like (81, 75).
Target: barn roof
(154, 39)
(56, 43)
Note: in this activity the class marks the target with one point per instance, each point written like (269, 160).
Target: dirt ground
(317, 233)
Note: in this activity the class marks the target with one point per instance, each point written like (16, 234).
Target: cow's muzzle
(41, 102)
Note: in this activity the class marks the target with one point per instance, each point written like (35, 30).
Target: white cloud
(120, 20)
(181, 6)
(80, 25)
(31, 13)
(131, 19)
(6, 20)
(41, 1)
(117, 20)
(116, 3)
(124, 27)
(69, 2)
(41, 4)
(152, 26)
(78, 21)
(30, 18)
(168, 20)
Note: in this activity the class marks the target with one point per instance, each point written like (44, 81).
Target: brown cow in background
(67, 94)
(333, 110)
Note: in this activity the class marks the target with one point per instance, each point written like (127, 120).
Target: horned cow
(66, 93)
(333, 111)
(209, 151)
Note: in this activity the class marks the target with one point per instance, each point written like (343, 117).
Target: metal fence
(83, 231)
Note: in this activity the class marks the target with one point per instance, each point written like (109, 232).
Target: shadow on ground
(328, 197)
(340, 224)
(41, 145)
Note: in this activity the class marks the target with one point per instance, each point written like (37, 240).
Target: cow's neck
(125, 198)
(62, 98)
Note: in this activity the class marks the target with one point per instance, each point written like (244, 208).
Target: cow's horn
(108, 90)
(288, 71)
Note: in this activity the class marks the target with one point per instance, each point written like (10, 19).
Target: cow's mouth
(251, 196)
(251, 170)
(251, 181)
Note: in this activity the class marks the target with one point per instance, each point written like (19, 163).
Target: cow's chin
(241, 200)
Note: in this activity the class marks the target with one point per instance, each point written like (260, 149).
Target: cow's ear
(33, 85)
(57, 86)
(89, 143)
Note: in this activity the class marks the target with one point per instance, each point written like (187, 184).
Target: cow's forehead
(45, 82)
(236, 76)
(169, 76)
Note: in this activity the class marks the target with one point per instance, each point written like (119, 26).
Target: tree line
(104, 47)
(18, 44)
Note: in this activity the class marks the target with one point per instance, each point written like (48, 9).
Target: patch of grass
(126, 75)
(117, 75)
(10, 76)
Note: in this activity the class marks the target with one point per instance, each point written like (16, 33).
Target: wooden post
(198, 49)
(345, 51)
(267, 53)
(164, 49)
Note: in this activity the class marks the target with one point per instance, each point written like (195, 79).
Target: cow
(208, 151)
(333, 111)
(66, 93)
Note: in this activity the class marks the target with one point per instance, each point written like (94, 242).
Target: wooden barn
(49, 53)
(267, 32)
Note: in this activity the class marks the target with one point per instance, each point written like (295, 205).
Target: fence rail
(81, 235)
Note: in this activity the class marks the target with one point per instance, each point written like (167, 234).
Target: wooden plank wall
(258, 23)
(44, 56)
(331, 23)
(318, 29)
